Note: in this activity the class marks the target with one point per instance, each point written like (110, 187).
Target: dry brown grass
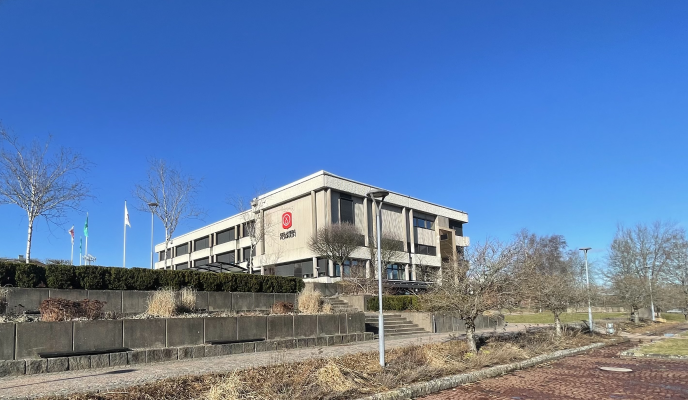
(282, 307)
(351, 376)
(310, 301)
(170, 302)
(65, 310)
(326, 309)
(4, 292)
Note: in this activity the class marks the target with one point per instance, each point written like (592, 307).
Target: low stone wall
(136, 302)
(596, 309)
(60, 364)
(448, 323)
(25, 340)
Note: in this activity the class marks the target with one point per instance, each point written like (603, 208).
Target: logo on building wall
(286, 220)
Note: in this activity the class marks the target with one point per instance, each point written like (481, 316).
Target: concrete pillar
(405, 229)
(367, 269)
(330, 268)
(414, 277)
(328, 206)
(366, 226)
(412, 238)
(315, 267)
(262, 233)
(406, 272)
(314, 213)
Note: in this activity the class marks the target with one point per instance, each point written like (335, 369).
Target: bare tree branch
(42, 184)
(175, 196)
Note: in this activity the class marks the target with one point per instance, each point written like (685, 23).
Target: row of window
(423, 223)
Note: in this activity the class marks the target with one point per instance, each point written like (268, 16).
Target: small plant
(163, 303)
(187, 300)
(327, 309)
(282, 307)
(65, 310)
(310, 301)
(169, 302)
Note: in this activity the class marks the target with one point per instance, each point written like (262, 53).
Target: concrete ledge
(118, 359)
(79, 362)
(36, 366)
(10, 367)
(436, 385)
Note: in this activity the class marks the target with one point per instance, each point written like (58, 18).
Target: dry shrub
(66, 310)
(282, 307)
(187, 300)
(170, 302)
(327, 309)
(310, 301)
(163, 303)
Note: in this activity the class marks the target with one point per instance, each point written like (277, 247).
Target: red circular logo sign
(286, 220)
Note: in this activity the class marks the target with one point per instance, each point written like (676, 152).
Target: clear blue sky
(560, 117)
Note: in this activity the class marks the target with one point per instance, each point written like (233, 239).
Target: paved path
(579, 377)
(29, 386)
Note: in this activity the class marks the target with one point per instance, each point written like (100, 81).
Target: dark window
(202, 243)
(322, 266)
(181, 266)
(225, 236)
(352, 265)
(444, 236)
(395, 272)
(161, 254)
(200, 262)
(456, 226)
(182, 249)
(428, 250)
(346, 211)
(423, 223)
(247, 228)
(246, 254)
(226, 257)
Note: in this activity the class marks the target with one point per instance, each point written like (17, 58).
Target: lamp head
(154, 204)
(585, 248)
(378, 194)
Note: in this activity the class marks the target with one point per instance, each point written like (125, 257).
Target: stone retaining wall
(25, 340)
(143, 356)
(136, 302)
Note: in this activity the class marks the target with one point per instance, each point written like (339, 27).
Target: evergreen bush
(394, 303)
(60, 276)
(29, 276)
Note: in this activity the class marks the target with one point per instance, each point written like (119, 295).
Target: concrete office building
(291, 215)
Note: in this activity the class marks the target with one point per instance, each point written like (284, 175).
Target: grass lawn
(548, 318)
(673, 347)
(673, 317)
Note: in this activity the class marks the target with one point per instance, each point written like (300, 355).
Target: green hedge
(394, 303)
(110, 278)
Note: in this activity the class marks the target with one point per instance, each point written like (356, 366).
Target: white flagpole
(71, 259)
(86, 252)
(124, 256)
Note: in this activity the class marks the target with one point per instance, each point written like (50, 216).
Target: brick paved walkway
(579, 377)
(29, 386)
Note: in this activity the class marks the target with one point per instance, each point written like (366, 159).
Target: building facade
(276, 231)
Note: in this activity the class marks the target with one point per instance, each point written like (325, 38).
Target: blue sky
(559, 117)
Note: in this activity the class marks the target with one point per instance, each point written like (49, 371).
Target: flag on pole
(86, 226)
(71, 233)
(126, 215)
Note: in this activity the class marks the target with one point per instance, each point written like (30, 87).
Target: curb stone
(449, 382)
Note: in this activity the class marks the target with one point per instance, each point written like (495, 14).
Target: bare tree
(336, 242)
(646, 253)
(175, 194)
(678, 277)
(479, 282)
(550, 274)
(42, 184)
(391, 251)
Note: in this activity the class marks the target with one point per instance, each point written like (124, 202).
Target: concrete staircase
(340, 306)
(395, 325)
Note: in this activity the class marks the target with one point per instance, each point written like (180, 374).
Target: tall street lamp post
(380, 194)
(152, 206)
(587, 279)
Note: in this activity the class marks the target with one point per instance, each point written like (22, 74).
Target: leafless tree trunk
(41, 184)
(175, 194)
(336, 242)
(483, 280)
(551, 273)
(256, 227)
(646, 254)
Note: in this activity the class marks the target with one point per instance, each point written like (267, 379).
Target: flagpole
(86, 237)
(71, 258)
(124, 256)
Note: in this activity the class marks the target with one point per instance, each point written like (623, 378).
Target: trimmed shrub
(112, 278)
(29, 276)
(143, 279)
(91, 277)
(394, 303)
(60, 276)
(7, 273)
